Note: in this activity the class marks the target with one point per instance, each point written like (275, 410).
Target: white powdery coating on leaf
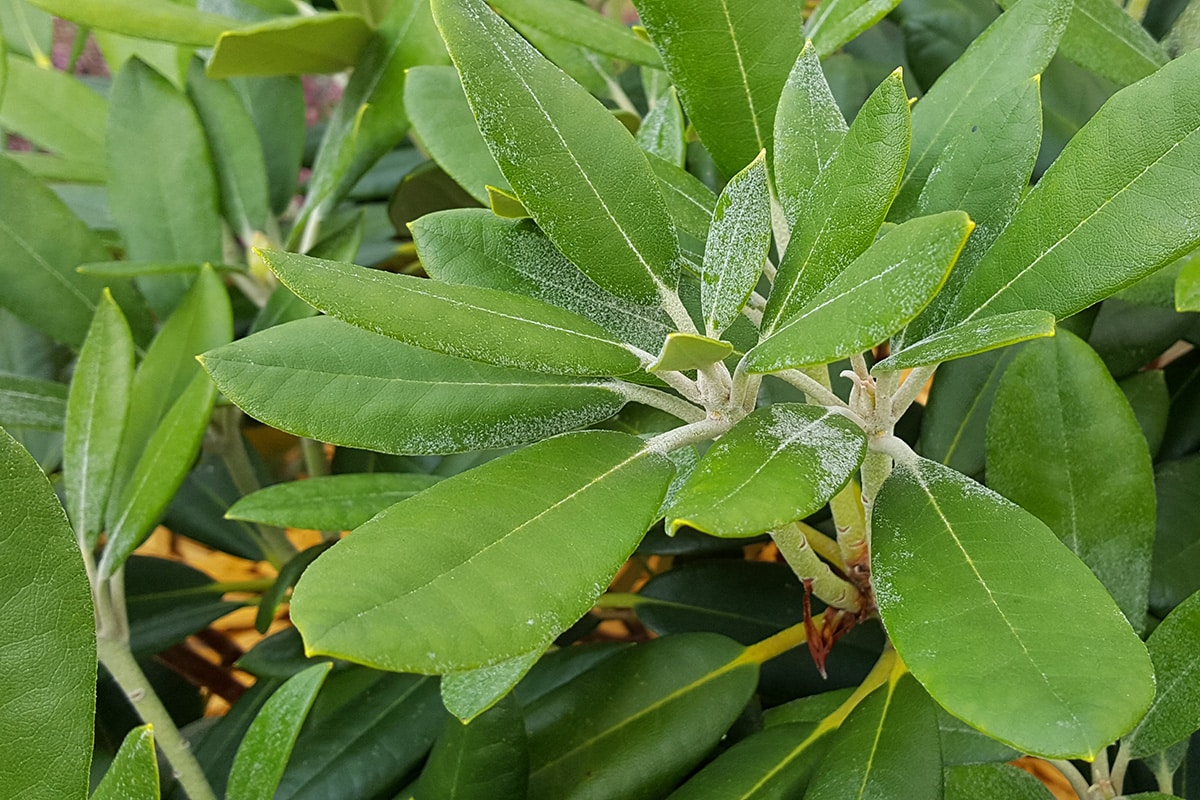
(737, 246)
(836, 449)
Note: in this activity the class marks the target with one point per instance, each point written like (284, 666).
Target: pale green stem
(705, 429)
(669, 299)
(755, 315)
(315, 463)
(756, 301)
(227, 425)
(906, 395)
(669, 403)
(1073, 776)
(859, 363)
(820, 395)
(1101, 777)
(680, 383)
(1119, 767)
(744, 394)
(618, 600)
(803, 560)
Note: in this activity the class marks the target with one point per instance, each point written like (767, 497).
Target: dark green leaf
(277, 108)
(485, 760)
(168, 601)
(1147, 395)
(954, 427)
(1177, 541)
(773, 764)
(47, 642)
(133, 774)
(334, 502)
(836, 22)
(662, 130)
(993, 780)
(1175, 713)
(295, 45)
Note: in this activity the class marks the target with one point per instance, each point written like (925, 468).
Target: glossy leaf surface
(738, 242)
(47, 677)
(1175, 713)
(133, 773)
(772, 764)
(684, 351)
(1001, 661)
(468, 693)
(970, 338)
(1102, 217)
(267, 745)
(487, 759)
(993, 780)
(331, 502)
(351, 387)
(846, 205)
(576, 168)
(1092, 482)
(777, 465)
(411, 616)
(480, 324)
(293, 45)
(729, 61)
(871, 299)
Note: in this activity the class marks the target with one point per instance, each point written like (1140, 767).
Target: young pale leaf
(737, 247)
(480, 324)
(294, 45)
(1105, 39)
(845, 208)
(580, 25)
(32, 403)
(469, 693)
(156, 145)
(237, 153)
(979, 629)
(1092, 481)
(771, 764)
(441, 119)
(809, 129)
(370, 119)
(160, 470)
(1111, 209)
(970, 338)
(97, 408)
(572, 163)
(778, 465)
(41, 243)
(267, 745)
(505, 204)
(657, 709)
(54, 110)
(888, 747)
(49, 647)
(836, 22)
(133, 773)
(662, 131)
(1187, 287)
(1011, 51)
(477, 248)
(331, 502)
(405, 400)
(729, 61)
(1175, 713)
(684, 351)
(453, 591)
(984, 171)
(485, 760)
(873, 298)
(144, 19)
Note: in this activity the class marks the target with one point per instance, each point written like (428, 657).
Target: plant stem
(908, 391)
(669, 403)
(821, 395)
(232, 449)
(618, 600)
(835, 591)
(1073, 776)
(707, 428)
(825, 546)
(1119, 766)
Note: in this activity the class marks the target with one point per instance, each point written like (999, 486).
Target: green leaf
(25, 29)
(684, 351)
(156, 145)
(1175, 713)
(1148, 396)
(41, 242)
(237, 154)
(690, 202)
(954, 425)
(332, 502)
(54, 110)
(970, 338)
(984, 171)
(145, 19)
(576, 168)
(979, 628)
(48, 640)
(729, 61)
(163, 466)
(370, 119)
(267, 745)
(1108, 212)
(410, 616)
(97, 409)
(889, 741)
(484, 760)
(871, 299)
(32, 403)
(505, 204)
(277, 107)
(773, 763)
(809, 129)
(1177, 541)
(737, 247)
(845, 207)
(1009, 53)
(441, 119)
(469, 693)
(778, 465)
(133, 773)
(480, 324)
(1107, 40)
(662, 130)
(1187, 287)
(406, 400)
(580, 25)
(656, 709)
(296, 45)
(168, 601)
(973, 781)
(1092, 481)
(836, 22)
(52, 169)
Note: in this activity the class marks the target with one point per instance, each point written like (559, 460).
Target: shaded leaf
(485, 760)
(469, 693)
(774, 764)
(662, 130)
(836, 22)
(54, 110)
(993, 780)
(332, 502)
(1175, 713)
(32, 403)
